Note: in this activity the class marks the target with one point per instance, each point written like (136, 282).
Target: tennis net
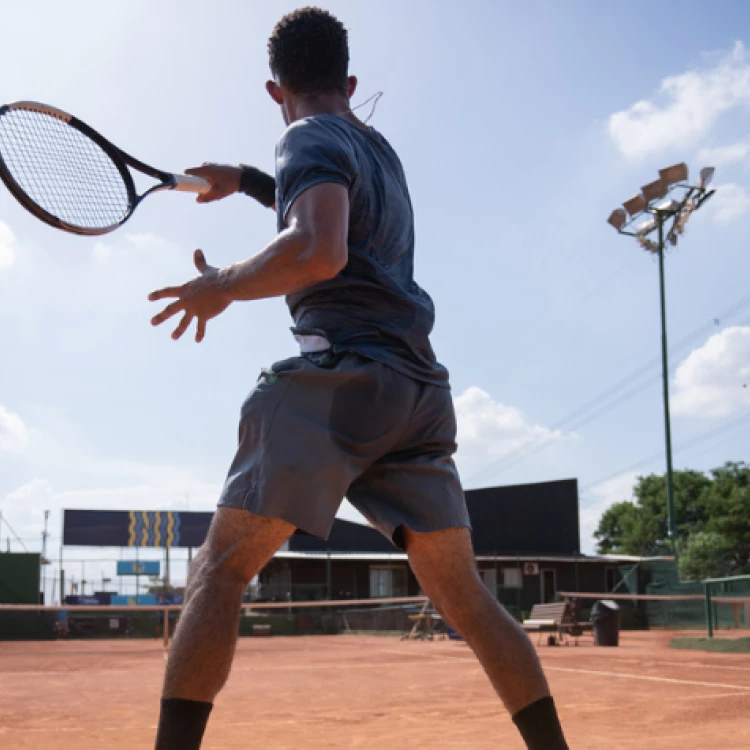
(326, 617)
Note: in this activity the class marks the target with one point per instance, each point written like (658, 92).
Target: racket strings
(62, 170)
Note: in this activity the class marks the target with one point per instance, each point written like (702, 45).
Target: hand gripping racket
(70, 176)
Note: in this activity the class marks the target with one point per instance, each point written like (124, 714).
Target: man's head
(309, 58)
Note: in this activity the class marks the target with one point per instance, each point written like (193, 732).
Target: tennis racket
(68, 175)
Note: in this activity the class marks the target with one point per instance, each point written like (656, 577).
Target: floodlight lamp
(669, 206)
(654, 190)
(707, 174)
(675, 173)
(646, 227)
(635, 205)
(617, 218)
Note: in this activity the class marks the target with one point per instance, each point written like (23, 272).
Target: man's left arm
(312, 248)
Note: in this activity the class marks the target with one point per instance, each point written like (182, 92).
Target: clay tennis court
(353, 691)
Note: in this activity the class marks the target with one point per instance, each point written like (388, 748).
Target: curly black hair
(309, 52)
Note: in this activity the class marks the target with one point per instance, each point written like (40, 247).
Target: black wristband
(258, 185)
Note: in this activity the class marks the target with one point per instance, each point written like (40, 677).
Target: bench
(546, 618)
(558, 618)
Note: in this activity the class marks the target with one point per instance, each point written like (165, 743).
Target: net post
(709, 615)
(328, 574)
(165, 629)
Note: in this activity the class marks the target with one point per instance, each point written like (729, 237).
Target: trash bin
(605, 615)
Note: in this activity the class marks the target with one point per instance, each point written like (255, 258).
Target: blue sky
(521, 126)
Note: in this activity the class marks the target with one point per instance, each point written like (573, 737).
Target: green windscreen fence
(19, 578)
(650, 595)
(728, 606)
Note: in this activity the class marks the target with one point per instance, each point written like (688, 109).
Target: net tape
(62, 170)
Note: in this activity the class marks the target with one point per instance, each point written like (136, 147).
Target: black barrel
(605, 615)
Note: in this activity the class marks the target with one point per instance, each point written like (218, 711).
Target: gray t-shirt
(373, 307)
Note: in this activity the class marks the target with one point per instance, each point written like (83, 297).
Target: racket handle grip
(187, 183)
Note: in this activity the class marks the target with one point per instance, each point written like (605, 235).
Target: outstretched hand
(223, 178)
(201, 298)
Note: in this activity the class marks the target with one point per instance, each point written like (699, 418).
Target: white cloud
(7, 246)
(714, 381)
(128, 247)
(146, 240)
(603, 496)
(101, 252)
(488, 429)
(722, 156)
(684, 109)
(14, 435)
(730, 202)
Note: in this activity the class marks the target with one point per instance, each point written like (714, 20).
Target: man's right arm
(226, 180)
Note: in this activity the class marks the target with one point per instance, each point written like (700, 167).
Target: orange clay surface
(351, 691)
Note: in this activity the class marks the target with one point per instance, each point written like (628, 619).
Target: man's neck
(324, 104)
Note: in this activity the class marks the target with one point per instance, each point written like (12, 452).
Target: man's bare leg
(238, 545)
(444, 564)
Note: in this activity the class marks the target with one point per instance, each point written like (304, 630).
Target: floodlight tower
(671, 180)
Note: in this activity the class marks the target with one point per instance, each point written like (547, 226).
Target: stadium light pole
(657, 199)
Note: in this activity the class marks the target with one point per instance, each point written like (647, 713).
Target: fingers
(183, 326)
(200, 330)
(200, 261)
(168, 312)
(168, 291)
(198, 171)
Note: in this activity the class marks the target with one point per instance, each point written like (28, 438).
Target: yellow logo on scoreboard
(153, 528)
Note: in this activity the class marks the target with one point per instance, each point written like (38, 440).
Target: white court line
(692, 664)
(648, 678)
(338, 665)
(266, 668)
(423, 654)
(637, 699)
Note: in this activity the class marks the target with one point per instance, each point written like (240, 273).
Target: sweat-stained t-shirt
(373, 307)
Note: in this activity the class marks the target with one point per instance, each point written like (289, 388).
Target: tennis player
(364, 411)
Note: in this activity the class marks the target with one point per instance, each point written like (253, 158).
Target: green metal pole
(671, 528)
(709, 614)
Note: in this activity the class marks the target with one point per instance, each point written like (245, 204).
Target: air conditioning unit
(531, 569)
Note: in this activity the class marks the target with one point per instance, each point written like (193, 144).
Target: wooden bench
(546, 618)
(558, 618)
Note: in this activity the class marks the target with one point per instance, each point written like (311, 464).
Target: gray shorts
(323, 426)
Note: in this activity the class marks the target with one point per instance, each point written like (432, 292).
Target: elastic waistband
(310, 344)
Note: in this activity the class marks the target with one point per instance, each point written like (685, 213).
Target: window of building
(387, 581)
(512, 578)
(489, 577)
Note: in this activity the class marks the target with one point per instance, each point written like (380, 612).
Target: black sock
(182, 724)
(540, 727)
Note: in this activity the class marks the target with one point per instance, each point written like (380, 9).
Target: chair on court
(427, 624)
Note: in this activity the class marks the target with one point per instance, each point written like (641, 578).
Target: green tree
(705, 554)
(729, 504)
(640, 527)
(712, 517)
(617, 528)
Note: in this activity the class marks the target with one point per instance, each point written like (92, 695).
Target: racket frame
(120, 159)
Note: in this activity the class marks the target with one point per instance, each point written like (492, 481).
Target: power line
(701, 437)
(609, 398)
(4, 520)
